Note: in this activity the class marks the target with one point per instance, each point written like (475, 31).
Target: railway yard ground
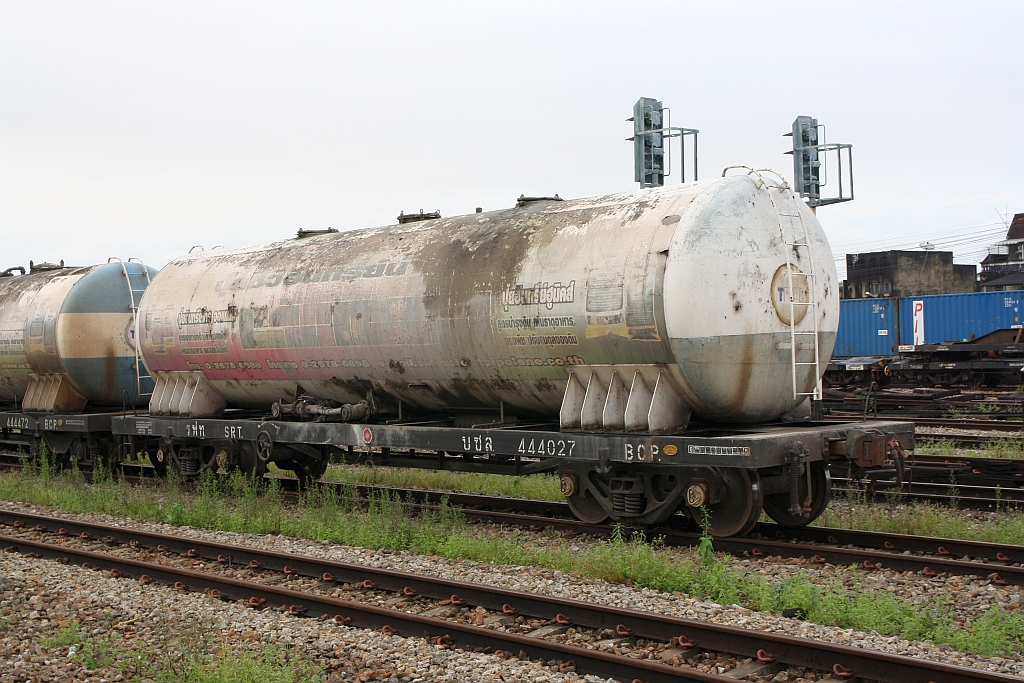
(59, 621)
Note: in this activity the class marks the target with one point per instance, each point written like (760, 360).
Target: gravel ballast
(42, 597)
(967, 595)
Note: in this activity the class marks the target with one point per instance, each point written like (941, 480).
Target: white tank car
(625, 312)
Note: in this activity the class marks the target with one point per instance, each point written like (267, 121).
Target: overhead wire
(934, 237)
(949, 239)
(965, 243)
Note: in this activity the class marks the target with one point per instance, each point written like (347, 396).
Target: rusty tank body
(67, 336)
(604, 311)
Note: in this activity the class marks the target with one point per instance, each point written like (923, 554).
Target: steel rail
(898, 543)
(947, 494)
(361, 615)
(941, 553)
(991, 425)
(791, 650)
(960, 440)
(865, 559)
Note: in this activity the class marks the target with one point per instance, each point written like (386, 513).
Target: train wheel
(78, 453)
(586, 508)
(311, 470)
(777, 505)
(739, 508)
(580, 499)
(249, 463)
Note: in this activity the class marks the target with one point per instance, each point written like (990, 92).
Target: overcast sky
(137, 129)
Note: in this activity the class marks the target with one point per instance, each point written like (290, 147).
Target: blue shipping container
(867, 327)
(957, 317)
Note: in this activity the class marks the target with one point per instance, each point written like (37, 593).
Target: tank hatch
(44, 266)
(404, 217)
(524, 200)
(309, 233)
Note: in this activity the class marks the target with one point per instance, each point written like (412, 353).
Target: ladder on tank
(135, 296)
(795, 242)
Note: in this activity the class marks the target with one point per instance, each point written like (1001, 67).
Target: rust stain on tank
(746, 366)
(546, 386)
(111, 375)
(503, 384)
(456, 263)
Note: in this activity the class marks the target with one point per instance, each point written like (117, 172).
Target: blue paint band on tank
(105, 380)
(104, 290)
(100, 306)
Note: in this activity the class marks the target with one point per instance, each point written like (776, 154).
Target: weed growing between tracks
(234, 504)
(919, 519)
(191, 656)
(1010, 447)
(922, 519)
(534, 487)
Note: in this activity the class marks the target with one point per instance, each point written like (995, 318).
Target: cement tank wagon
(629, 312)
(67, 337)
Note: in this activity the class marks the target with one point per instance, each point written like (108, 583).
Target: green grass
(193, 658)
(71, 634)
(922, 519)
(270, 665)
(536, 487)
(930, 446)
(231, 504)
(1010, 446)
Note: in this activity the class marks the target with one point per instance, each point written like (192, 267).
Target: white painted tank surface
(471, 311)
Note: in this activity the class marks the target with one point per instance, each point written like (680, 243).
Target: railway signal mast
(652, 143)
(810, 163)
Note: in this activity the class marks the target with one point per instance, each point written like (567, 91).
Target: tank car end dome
(727, 300)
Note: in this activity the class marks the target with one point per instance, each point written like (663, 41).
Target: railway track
(505, 621)
(988, 424)
(868, 550)
(822, 545)
(970, 440)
